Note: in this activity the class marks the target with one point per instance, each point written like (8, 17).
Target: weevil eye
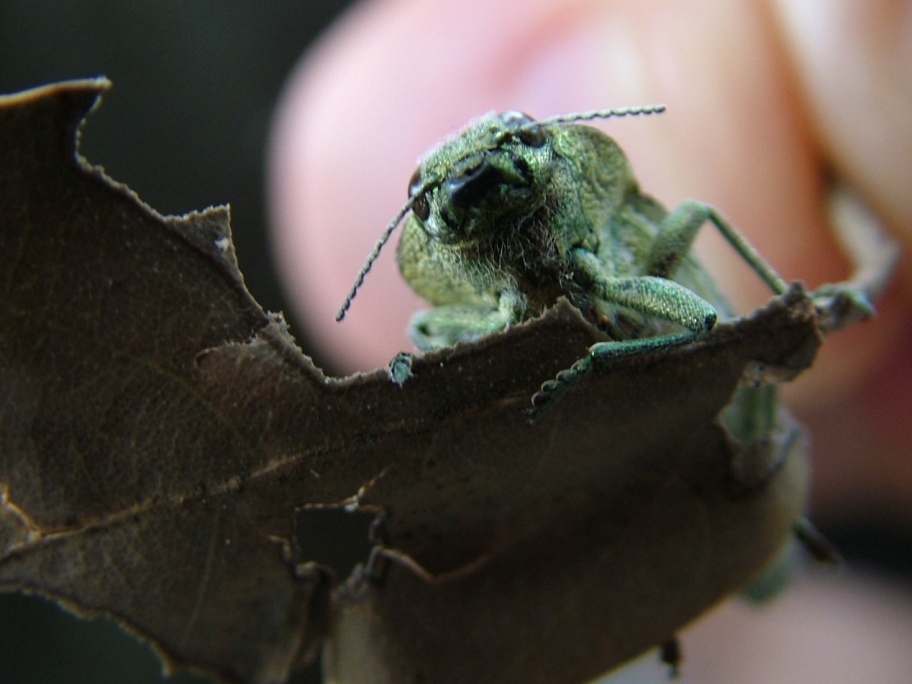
(414, 182)
(420, 206)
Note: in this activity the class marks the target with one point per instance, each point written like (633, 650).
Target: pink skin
(763, 98)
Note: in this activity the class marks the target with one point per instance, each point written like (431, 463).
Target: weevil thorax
(499, 206)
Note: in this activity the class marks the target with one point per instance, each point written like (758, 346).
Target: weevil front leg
(600, 354)
(444, 326)
(655, 294)
(652, 296)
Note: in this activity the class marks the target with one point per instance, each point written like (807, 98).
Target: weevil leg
(812, 539)
(654, 296)
(399, 369)
(670, 655)
(444, 326)
(366, 575)
(678, 231)
(765, 439)
(779, 572)
(321, 583)
(840, 305)
(753, 412)
(600, 354)
(872, 252)
(773, 580)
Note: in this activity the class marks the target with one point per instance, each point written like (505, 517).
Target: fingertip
(356, 113)
(852, 62)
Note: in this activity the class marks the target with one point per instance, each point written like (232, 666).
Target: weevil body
(520, 213)
(513, 213)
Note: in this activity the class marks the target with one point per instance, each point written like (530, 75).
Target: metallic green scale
(512, 214)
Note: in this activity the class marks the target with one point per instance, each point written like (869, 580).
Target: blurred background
(186, 126)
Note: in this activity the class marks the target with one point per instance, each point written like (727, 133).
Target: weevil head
(478, 224)
(501, 205)
(499, 197)
(484, 182)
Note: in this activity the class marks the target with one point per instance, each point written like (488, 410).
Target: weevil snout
(473, 183)
(491, 177)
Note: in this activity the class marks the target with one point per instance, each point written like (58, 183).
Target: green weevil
(513, 213)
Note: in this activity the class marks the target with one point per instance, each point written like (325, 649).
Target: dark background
(185, 126)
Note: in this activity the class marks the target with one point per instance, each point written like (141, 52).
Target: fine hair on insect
(419, 192)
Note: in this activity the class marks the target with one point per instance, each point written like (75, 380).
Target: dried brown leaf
(158, 432)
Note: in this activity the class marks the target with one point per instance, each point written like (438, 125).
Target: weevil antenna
(605, 114)
(375, 252)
